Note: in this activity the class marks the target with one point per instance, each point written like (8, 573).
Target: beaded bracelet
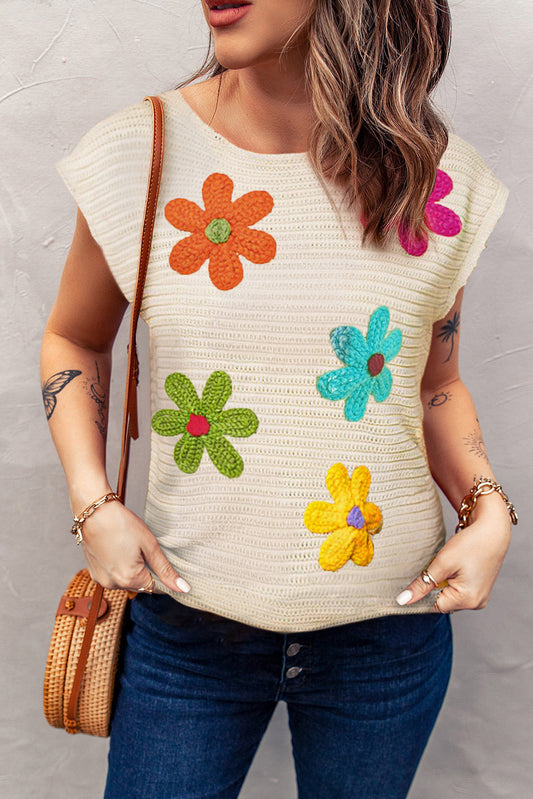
(480, 488)
(89, 510)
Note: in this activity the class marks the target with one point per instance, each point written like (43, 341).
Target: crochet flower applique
(203, 424)
(439, 219)
(350, 520)
(221, 233)
(364, 372)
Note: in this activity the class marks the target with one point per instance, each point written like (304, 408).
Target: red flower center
(375, 364)
(197, 425)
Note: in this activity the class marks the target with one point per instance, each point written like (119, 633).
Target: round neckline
(273, 158)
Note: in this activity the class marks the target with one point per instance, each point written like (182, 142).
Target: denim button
(293, 649)
(294, 671)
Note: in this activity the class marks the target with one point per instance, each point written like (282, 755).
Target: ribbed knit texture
(238, 535)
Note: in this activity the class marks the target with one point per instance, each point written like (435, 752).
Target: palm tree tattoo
(448, 332)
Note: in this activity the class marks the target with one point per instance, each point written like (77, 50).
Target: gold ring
(438, 607)
(147, 589)
(428, 579)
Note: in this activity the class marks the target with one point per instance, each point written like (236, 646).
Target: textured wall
(65, 64)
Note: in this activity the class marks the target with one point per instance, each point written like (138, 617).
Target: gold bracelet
(481, 487)
(89, 510)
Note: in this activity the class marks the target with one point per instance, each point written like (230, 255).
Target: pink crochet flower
(439, 219)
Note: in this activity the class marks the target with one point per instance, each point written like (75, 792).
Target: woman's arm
(75, 370)
(471, 559)
(76, 365)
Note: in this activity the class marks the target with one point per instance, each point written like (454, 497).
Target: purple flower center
(197, 425)
(375, 364)
(355, 518)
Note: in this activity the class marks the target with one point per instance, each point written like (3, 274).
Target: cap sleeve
(107, 174)
(479, 199)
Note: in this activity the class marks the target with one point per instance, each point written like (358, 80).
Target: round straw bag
(84, 652)
(96, 690)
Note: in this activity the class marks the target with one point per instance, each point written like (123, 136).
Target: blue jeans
(196, 693)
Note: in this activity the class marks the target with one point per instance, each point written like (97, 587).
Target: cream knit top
(289, 481)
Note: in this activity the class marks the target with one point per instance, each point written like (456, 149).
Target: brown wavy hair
(371, 66)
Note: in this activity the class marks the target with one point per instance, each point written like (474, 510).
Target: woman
(303, 298)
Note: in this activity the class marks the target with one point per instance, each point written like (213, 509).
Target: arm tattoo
(97, 393)
(476, 445)
(53, 386)
(448, 331)
(439, 399)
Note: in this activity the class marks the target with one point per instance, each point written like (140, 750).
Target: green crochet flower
(202, 423)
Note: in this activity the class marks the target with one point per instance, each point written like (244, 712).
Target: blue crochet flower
(365, 372)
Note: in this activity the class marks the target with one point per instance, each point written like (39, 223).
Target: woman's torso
(314, 360)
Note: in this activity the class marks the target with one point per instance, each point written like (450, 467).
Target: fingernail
(404, 597)
(183, 585)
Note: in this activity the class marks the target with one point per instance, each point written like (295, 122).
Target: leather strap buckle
(80, 606)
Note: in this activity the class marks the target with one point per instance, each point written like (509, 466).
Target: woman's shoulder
(106, 173)
(114, 143)
(464, 163)
(477, 192)
(134, 122)
(127, 122)
(200, 97)
(116, 150)
(468, 199)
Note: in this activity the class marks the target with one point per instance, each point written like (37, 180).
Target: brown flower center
(375, 364)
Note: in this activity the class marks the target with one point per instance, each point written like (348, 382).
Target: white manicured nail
(183, 585)
(404, 597)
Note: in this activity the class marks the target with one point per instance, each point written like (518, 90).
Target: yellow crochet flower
(350, 520)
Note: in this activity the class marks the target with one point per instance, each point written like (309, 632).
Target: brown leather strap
(80, 606)
(130, 427)
(71, 724)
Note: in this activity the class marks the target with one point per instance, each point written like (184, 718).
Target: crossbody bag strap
(130, 426)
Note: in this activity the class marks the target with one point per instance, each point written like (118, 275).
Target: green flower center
(218, 231)
(198, 425)
(375, 364)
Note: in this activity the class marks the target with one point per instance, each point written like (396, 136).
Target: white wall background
(64, 65)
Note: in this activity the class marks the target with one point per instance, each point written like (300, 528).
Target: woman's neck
(265, 109)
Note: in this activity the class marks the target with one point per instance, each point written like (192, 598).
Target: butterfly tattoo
(53, 386)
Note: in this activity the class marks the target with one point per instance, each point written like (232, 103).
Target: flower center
(375, 364)
(218, 231)
(198, 425)
(355, 518)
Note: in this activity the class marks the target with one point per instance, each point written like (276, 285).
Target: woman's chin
(233, 58)
(236, 52)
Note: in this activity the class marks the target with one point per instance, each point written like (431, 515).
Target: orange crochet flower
(221, 233)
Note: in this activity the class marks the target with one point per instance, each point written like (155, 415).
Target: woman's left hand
(469, 562)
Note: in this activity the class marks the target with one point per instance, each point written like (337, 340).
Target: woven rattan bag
(84, 651)
(93, 708)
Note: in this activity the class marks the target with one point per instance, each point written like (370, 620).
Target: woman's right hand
(118, 548)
